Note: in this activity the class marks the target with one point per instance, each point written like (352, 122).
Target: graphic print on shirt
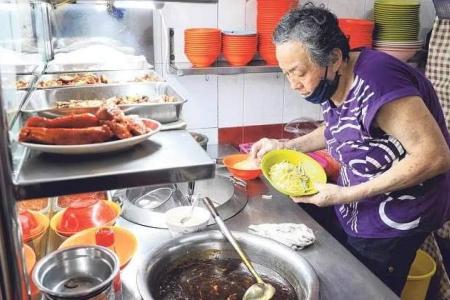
(362, 155)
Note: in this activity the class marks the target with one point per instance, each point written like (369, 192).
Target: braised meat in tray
(107, 124)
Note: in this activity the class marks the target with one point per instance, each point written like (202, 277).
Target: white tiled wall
(250, 99)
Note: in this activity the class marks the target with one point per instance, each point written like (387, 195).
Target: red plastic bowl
(85, 213)
(230, 160)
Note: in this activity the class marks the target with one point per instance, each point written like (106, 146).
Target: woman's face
(303, 75)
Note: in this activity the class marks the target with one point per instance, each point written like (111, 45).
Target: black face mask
(324, 90)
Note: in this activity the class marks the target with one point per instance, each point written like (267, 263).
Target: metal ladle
(258, 291)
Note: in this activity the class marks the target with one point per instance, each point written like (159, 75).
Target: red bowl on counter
(83, 214)
(231, 160)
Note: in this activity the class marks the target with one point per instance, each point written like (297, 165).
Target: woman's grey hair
(317, 29)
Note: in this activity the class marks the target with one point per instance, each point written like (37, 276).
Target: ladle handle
(224, 229)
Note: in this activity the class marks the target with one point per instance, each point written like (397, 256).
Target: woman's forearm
(312, 141)
(410, 171)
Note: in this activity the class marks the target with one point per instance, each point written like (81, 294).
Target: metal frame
(13, 281)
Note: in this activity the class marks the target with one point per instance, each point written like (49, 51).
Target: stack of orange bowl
(239, 47)
(269, 13)
(82, 214)
(202, 45)
(34, 227)
(358, 31)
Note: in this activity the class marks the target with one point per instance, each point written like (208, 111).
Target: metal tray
(114, 76)
(83, 67)
(43, 102)
(19, 69)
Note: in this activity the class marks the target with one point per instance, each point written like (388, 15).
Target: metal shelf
(168, 157)
(223, 68)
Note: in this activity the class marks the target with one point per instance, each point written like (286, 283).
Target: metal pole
(13, 282)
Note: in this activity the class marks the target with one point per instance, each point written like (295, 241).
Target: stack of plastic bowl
(397, 27)
(83, 214)
(34, 227)
(401, 50)
(269, 13)
(202, 45)
(30, 261)
(239, 47)
(358, 31)
(397, 20)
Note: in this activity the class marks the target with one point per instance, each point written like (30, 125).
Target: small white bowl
(198, 221)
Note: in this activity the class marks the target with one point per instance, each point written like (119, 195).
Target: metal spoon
(258, 291)
(193, 205)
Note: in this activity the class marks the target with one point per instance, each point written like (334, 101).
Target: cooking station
(340, 274)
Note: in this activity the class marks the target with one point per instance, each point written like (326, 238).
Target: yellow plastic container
(419, 277)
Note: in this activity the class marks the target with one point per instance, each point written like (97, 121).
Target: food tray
(28, 78)
(83, 67)
(56, 205)
(43, 102)
(115, 76)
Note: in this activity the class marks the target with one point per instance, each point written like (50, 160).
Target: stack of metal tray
(115, 77)
(43, 102)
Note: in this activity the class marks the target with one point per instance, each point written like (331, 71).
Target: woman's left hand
(328, 194)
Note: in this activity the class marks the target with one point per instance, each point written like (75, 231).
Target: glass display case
(45, 47)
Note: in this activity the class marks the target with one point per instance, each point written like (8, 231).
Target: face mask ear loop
(326, 73)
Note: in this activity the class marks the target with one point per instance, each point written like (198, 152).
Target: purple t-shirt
(366, 151)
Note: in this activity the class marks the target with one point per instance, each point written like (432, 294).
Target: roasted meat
(66, 136)
(69, 121)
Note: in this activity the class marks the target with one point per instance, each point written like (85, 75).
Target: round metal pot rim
(87, 292)
(295, 260)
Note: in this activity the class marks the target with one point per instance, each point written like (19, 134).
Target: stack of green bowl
(396, 20)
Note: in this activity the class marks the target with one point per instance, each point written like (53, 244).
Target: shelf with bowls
(157, 160)
(223, 68)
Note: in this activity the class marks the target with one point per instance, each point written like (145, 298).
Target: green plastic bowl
(312, 168)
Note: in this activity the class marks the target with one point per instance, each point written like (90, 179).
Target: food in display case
(22, 84)
(122, 100)
(44, 101)
(38, 204)
(77, 79)
(64, 201)
(107, 124)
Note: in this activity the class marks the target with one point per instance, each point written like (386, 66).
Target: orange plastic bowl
(82, 215)
(230, 160)
(125, 242)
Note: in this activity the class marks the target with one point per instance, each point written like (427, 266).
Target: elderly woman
(384, 124)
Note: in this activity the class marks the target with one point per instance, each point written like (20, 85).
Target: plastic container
(419, 277)
(198, 221)
(231, 160)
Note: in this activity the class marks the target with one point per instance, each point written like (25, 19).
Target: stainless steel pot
(83, 272)
(208, 244)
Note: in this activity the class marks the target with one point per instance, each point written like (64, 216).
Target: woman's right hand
(263, 146)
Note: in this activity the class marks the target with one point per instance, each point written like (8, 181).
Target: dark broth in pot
(206, 279)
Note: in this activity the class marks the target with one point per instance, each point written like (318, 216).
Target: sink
(228, 196)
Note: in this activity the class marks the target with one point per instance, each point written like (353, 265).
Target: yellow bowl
(125, 244)
(312, 168)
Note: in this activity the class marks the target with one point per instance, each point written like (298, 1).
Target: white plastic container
(198, 221)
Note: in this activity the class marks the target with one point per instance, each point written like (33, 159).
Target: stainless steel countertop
(341, 275)
(167, 157)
